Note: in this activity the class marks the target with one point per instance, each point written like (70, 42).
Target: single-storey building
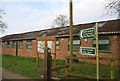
(24, 44)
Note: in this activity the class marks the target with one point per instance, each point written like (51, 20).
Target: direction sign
(87, 33)
(88, 50)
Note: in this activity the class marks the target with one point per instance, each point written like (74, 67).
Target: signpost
(87, 33)
(91, 33)
(87, 50)
(97, 54)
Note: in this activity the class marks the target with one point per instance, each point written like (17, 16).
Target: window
(14, 44)
(76, 45)
(8, 44)
(104, 45)
(58, 45)
(29, 44)
(3, 44)
(20, 44)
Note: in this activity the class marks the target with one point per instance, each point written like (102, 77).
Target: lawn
(26, 66)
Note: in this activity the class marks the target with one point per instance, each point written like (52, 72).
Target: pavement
(5, 74)
(0, 74)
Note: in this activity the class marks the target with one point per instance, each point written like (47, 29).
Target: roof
(105, 27)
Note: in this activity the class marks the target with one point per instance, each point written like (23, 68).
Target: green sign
(87, 33)
(88, 50)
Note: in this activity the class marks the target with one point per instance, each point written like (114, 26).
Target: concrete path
(5, 74)
(0, 74)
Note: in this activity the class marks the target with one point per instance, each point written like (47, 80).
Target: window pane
(8, 44)
(101, 41)
(76, 47)
(75, 42)
(29, 44)
(14, 44)
(3, 44)
(50, 43)
(20, 44)
(104, 47)
(41, 44)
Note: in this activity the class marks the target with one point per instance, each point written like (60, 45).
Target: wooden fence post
(112, 64)
(66, 60)
(37, 60)
(47, 64)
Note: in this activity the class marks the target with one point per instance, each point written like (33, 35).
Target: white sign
(49, 43)
(88, 50)
(87, 33)
(41, 46)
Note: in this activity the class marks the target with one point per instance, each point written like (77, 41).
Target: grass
(26, 66)
(0, 61)
(21, 65)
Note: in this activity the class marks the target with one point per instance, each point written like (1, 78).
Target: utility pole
(71, 30)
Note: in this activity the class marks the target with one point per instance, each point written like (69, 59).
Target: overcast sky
(30, 15)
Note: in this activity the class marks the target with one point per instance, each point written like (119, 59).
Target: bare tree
(3, 25)
(60, 21)
(114, 7)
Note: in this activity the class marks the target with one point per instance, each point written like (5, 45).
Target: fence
(112, 67)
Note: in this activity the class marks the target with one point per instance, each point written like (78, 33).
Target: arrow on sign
(88, 50)
(87, 33)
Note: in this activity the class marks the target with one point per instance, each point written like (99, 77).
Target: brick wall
(63, 53)
(21, 52)
(88, 43)
(63, 49)
(28, 52)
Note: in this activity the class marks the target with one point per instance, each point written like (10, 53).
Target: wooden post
(47, 64)
(37, 55)
(16, 48)
(54, 60)
(66, 61)
(55, 54)
(71, 31)
(112, 64)
(97, 53)
(37, 60)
